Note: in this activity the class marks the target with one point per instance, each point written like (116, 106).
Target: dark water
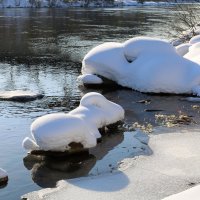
(44, 49)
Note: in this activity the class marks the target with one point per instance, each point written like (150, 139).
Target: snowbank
(144, 64)
(56, 131)
(19, 95)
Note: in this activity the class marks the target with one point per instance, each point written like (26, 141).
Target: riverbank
(172, 168)
(78, 4)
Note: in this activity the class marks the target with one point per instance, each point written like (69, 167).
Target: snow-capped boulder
(182, 49)
(55, 132)
(3, 177)
(98, 112)
(19, 95)
(143, 64)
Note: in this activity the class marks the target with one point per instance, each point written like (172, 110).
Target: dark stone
(145, 101)
(3, 182)
(153, 110)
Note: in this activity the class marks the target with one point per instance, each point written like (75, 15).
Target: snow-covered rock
(89, 79)
(3, 177)
(182, 49)
(98, 112)
(144, 64)
(56, 131)
(19, 95)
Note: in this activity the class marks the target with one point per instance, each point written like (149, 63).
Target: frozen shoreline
(172, 168)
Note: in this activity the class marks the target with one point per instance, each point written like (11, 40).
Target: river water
(41, 50)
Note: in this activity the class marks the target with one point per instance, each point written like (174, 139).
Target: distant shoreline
(81, 4)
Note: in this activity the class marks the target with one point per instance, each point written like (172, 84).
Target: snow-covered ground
(172, 168)
(147, 65)
(56, 131)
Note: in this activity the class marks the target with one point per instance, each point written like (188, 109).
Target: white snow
(172, 166)
(144, 64)
(182, 49)
(194, 53)
(195, 39)
(190, 194)
(3, 173)
(19, 95)
(56, 131)
(97, 111)
(89, 79)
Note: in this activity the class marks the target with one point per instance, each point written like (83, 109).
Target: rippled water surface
(41, 50)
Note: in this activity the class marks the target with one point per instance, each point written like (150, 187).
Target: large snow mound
(144, 64)
(56, 131)
(19, 95)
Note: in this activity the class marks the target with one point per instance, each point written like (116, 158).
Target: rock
(19, 95)
(3, 177)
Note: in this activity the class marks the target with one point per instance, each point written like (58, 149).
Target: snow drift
(146, 65)
(56, 131)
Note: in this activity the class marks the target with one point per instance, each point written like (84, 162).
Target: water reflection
(67, 34)
(46, 171)
(105, 157)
